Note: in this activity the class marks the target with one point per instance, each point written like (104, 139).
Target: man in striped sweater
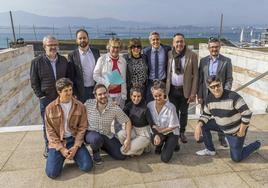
(225, 111)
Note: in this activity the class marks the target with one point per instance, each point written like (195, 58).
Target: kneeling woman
(166, 131)
(141, 120)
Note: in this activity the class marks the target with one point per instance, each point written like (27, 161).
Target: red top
(115, 67)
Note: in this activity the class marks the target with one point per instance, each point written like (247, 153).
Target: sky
(167, 12)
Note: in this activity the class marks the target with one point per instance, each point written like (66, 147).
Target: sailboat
(242, 36)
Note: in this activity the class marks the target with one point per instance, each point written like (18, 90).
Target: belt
(176, 87)
(154, 80)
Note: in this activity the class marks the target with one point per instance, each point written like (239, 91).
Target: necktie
(156, 57)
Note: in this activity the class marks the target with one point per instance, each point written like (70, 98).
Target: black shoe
(97, 158)
(177, 148)
(157, 151)
(201, 140)
(183, 138)
(45, 154)
(223, 142)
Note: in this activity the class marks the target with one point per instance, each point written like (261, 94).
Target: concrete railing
(18, 105)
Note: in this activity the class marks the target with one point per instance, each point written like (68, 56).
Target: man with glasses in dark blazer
(218, 65)
(82, 62)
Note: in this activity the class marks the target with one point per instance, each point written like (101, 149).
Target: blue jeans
(55, 159)
(99, 141)
(43, 104)
(237, 151)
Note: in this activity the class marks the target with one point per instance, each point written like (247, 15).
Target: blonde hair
(112, 41)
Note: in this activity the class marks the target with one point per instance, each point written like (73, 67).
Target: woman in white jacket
(108, 63)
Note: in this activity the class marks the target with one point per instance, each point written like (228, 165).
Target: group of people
(123, 104)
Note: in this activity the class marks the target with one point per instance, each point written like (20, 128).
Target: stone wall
(247, 65)
(18, 105)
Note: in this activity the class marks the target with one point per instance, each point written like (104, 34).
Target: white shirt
(167, 117)
(88, 64)
(177, 80)
(66, 107)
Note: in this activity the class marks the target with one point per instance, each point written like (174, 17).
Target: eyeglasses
(52, 45)
(136, 46)
(215, 86)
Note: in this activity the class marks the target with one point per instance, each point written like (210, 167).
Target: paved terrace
(22, 165)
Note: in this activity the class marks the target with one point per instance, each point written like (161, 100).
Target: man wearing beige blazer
(182, 79)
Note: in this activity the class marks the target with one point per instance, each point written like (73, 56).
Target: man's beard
(83, 44)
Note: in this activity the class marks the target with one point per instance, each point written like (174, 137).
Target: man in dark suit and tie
(218, 65)
(156, 57)
(82, 62)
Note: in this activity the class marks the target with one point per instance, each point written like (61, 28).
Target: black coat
(77, 72)
(42, 76)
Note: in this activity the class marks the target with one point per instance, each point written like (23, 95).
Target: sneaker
(183, 138)
(45, 153)
(97, 158)
(206, 152)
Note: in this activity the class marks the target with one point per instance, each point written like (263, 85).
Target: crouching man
(66, 124)
(231, 116)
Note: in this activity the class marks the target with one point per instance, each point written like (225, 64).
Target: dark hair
(213, 39)
(133, 42)
(81, 30)
(62, 83)
(136, 89)
(213, 78)
(159, 85)
(97, 86)
(178, 34)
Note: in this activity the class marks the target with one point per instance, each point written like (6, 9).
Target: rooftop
(22, 165)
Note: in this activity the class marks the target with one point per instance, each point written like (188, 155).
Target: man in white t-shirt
(66, 124)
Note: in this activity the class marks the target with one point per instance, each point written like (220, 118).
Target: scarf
(177, 59)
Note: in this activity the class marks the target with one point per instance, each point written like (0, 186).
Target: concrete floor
(22, 165)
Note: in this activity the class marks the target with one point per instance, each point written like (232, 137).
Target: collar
(73, 101)
(217, 58)
(84, 53)
(52, 60)
(159, 49)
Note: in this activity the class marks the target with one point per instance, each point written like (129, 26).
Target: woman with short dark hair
(137, 69)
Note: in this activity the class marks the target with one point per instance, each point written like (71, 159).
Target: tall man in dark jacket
(45, 70)
(218, 65)
(156, 57)
(82, 61)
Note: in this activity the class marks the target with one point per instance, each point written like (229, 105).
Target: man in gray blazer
(82, 63)
(218, 65)
(182, 79)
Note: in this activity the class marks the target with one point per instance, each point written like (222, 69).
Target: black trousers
(166, 146)
(176, 97)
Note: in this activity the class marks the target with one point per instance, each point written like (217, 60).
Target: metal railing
(241, 87)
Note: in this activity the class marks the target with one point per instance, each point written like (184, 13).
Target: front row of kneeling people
(70, 125)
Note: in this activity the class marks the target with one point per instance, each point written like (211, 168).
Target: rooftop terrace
(22, 165)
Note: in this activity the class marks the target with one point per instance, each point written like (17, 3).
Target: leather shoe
(223, 143)
(183, 138)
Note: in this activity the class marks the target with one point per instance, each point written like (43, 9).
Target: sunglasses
(215, 86)
(136, 46)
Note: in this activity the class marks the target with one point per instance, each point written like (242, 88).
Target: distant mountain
(28, 19)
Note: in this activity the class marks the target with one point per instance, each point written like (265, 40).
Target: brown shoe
(183, 138)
